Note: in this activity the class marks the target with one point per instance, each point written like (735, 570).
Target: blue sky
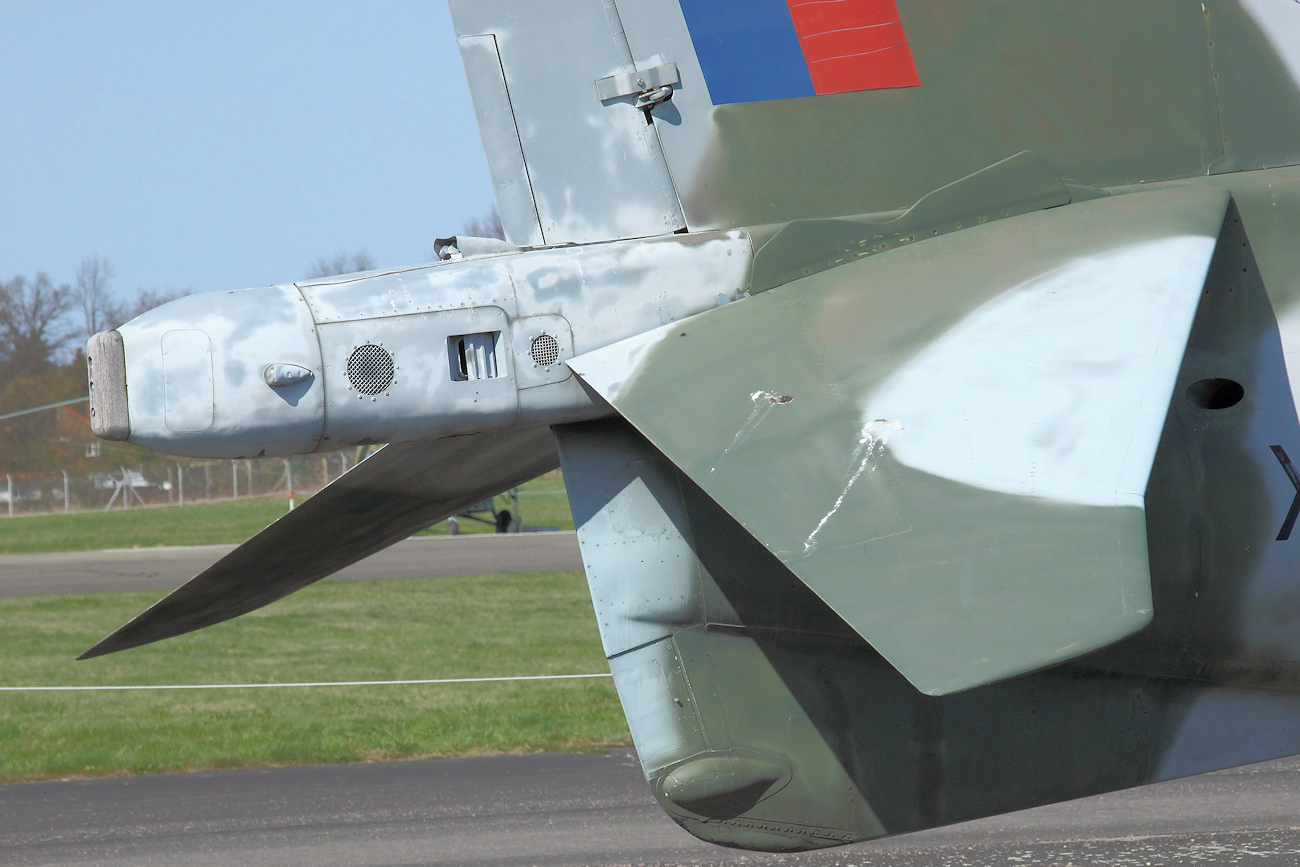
(206, 146)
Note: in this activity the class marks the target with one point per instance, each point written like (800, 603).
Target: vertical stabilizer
(786, 110)
(574, 156)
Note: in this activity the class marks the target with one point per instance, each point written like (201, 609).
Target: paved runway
(567, 809)
(168, 568)
(548, 809)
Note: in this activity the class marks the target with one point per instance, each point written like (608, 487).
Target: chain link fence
(177, 483)
(95, 475)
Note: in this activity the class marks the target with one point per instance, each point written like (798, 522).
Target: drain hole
(1215, 393)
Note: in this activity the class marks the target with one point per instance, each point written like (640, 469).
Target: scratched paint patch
(763, 402)
(870, 446)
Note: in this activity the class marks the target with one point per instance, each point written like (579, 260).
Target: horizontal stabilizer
(949, 442)
(397, 491)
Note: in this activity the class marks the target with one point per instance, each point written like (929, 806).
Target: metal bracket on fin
(646, 84)
(460, 247)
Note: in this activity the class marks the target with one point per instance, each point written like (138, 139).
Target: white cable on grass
(281, 685)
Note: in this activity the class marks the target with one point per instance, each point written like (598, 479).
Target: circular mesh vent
(370, 369)
(544, 350)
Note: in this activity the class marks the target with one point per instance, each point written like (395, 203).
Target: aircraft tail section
(981, 533)
(609, 119)
(948, 445)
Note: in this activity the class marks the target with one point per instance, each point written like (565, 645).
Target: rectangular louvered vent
(474, 356)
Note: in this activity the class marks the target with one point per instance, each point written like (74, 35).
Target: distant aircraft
(920, 372)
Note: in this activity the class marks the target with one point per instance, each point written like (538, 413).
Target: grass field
(530, 624)
(542, 503)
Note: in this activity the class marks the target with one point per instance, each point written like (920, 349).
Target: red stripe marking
(850, 43)
(821, 15)
(853, 44)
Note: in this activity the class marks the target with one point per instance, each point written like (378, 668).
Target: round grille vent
(370, 369)
(544, 350)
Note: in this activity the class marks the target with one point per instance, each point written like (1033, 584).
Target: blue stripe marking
(748, 50)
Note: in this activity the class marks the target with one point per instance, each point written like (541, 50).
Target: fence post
(234, 480)
(66, 507)
(288, 477)
(180, 485)
(10, 480)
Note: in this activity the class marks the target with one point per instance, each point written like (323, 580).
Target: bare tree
(341, 263)
(148, 299)
(99, 309)
(33, 324)
(488, 226)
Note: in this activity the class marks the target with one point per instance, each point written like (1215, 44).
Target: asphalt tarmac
(593, 810)
(168, 568)
(550, 809)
